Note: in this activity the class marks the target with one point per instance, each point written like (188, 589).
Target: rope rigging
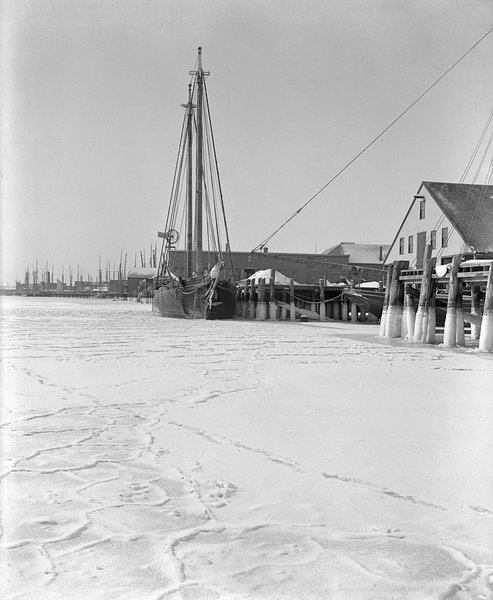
(212, 199)
(370, 144)
(462, 180)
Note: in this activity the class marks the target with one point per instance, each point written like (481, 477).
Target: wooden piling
(292, 313)
(423, 313)
(459, 332)
(239, 301)
(393, 326)
(432, 315)
(322, 314)
(336, 309)
(261, 313)
(245, 302)
(272, 296)
(354, 312)
(284, 310)
(329, 310)
(486, 335)
(313, 301)
(409, 315)
(475, 310)
(383, 318)
(345, 310)
(252, 300)
(450, 329)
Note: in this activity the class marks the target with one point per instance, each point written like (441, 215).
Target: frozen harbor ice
(147, 458)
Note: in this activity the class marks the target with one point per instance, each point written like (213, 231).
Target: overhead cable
(262, 244)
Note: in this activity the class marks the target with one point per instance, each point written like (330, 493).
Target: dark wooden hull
(374, 299)
(194, 301)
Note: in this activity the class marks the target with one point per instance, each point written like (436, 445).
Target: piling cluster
(416, 303)
(267, 300)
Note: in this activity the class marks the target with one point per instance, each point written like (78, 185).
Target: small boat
(202, 288)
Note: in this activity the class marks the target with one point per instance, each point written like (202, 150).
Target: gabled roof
(469, 208)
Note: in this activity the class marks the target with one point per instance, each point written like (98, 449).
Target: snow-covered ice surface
(149, 458)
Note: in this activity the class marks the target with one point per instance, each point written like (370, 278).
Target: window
(444, 237)
(410, 244)
(422, 208)
(433, 239)
(401, 245)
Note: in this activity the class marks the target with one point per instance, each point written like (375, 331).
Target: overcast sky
(91, 116)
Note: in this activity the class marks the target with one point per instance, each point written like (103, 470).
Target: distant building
(455, 218)
(363, 258)
(138, 274)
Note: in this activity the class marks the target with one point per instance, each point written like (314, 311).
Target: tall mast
(200, 73)
(190, 106)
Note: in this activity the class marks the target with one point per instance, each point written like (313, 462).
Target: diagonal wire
(262, 244)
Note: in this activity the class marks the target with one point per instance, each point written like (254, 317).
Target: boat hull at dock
(182, 301)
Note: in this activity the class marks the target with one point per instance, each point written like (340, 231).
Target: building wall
(133, 284)
(303, 268)
(434, 220)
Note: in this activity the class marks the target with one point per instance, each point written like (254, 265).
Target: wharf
(290, 301)
(414, 304)
(464, 289)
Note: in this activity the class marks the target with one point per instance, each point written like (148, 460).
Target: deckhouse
(454, 218)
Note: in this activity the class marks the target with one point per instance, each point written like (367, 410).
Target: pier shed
(365, 258)
(452, 218)
(138, 274)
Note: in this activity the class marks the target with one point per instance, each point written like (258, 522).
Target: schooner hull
(182, 302)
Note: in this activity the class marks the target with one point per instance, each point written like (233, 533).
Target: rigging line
(373, 141)
(452, 228)
(178, 191)
(210, 194)
(469, 165)
(483, 158)
(211, 236)
(482, 195)
(179, 159)
(174, 183)
(479, 206)
(213, 184)
(226, 230)
(172, 251)
(489, 177)
(476, 149)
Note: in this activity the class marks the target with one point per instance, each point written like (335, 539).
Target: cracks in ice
(218, 439)
(293, 465)
(91, 465)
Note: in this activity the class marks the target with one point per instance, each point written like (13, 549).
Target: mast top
(200, 70)
(199, 60)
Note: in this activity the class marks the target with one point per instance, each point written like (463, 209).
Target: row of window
(432, 240)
